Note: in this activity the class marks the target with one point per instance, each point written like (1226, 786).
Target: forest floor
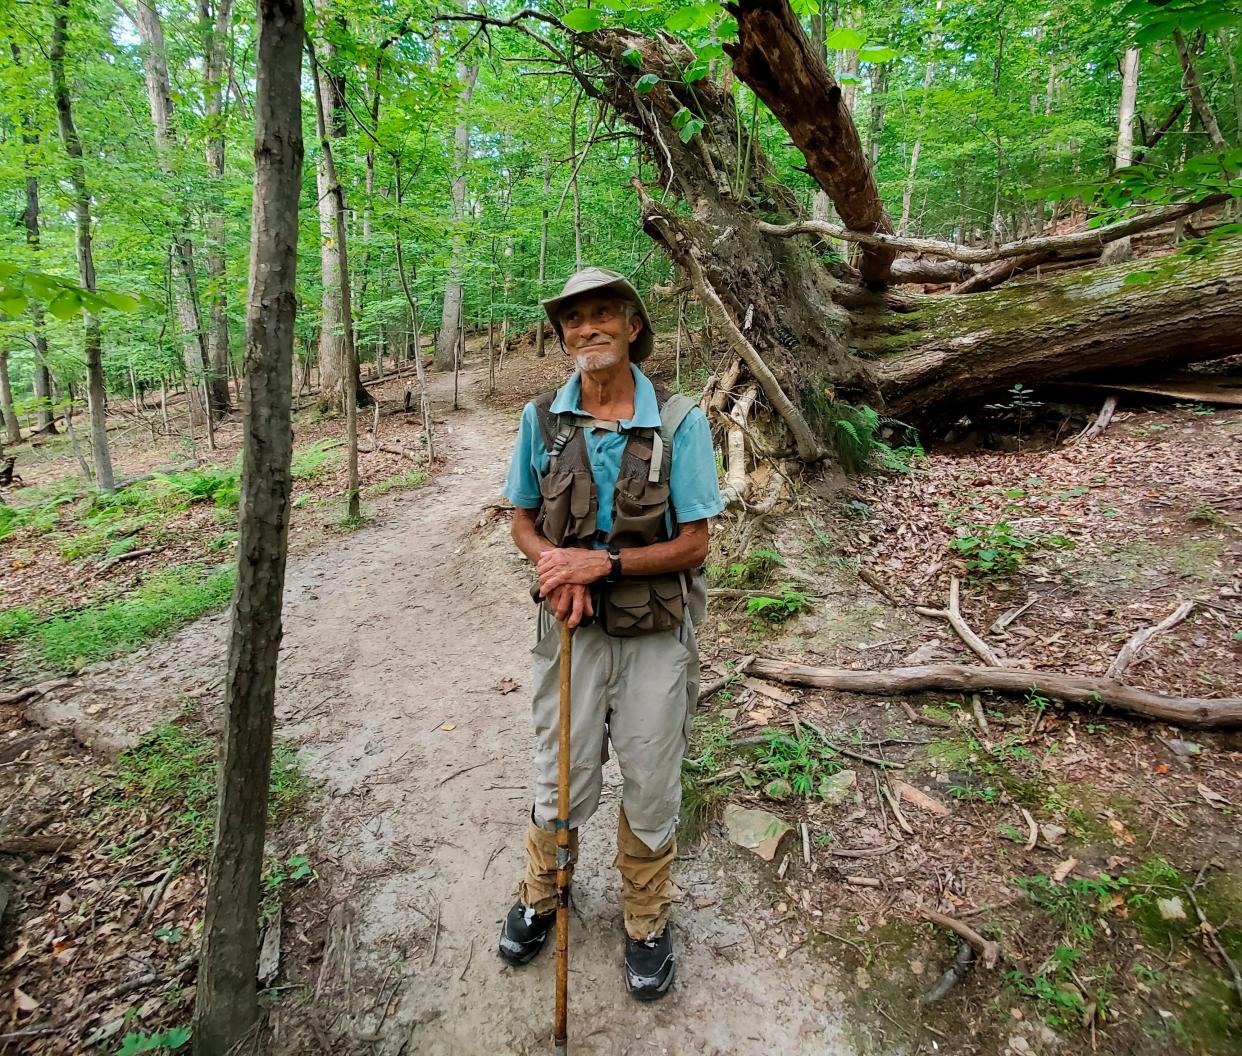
(401, 790)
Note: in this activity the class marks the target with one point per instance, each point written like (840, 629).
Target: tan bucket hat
(589, 280)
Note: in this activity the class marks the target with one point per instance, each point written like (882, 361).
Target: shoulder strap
(672, 413)
(545, 417)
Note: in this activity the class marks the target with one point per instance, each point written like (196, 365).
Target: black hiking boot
(649, 965)
(524, 932)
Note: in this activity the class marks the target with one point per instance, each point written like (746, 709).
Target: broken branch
(987, 949)
(1199, 712)
(1136, 644)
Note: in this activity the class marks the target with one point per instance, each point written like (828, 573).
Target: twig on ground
(976, 708)
(863, 852)
(1003, 621)
(842, 750)
(925, 720)
(954, 615)
(466, 967)
(1102, 419)
(463, 770)
(987, 949)
(1139, 641)
(1032, 829)
(1206, 927)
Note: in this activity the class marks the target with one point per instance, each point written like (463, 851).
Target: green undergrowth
(864, 440)
(411, 478)
(172, 773)
(163, 603)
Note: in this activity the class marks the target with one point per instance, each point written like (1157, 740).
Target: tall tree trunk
(907, 193)
(353, 511)
(45, 416)
(450, 320)
(879, 85)
(1116, 252)
(185, 284)
(543, 253)
(332, 366)
(226, 1005)
(1195, 91)
(214, 31)
(12, 427)
(93, 340)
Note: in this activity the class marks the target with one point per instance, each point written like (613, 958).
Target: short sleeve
(694, 487)
(529, 454)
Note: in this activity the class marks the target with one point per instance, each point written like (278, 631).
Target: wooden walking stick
(561, 1025)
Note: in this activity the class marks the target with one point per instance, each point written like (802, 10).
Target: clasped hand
(565, 575)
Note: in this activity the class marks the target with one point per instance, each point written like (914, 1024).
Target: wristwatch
(614, 556)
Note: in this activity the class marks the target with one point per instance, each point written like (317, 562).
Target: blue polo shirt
(694, 490)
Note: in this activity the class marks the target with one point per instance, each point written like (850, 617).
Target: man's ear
(636, 326)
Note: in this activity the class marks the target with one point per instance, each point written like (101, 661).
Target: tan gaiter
(646, 881)
(538, 889)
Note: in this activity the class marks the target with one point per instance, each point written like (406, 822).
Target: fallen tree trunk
(1198, 712)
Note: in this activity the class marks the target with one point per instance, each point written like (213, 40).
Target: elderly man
(613, 483)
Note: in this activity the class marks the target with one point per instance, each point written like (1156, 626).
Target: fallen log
(1197, 712)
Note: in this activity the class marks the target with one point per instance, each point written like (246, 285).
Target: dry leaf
(449, 727)
(25, 1002)
(1214, 798)
(1064, 869)
(1120, 831)
(508, 685)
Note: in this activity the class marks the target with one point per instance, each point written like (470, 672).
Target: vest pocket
(643, 606)
(638, 519)
(567, 514)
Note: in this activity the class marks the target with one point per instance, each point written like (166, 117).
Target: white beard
(598, 359)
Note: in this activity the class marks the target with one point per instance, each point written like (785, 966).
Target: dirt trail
(391, 634)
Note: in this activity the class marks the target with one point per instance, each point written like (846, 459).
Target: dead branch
(1196, 712)
(1059, 244)
(18, 845)
(1102, 419)
(1136, 644)
(864, 852)
(954, 615)
(987, 949)
(1206, 927)
(736, 485)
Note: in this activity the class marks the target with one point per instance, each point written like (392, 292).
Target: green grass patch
(160, 605)
(176, 766)
(411, 478)
(16, 623)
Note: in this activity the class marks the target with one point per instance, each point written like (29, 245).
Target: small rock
(862, 980)
(1052, 834)
(757, 830)
(916, 968)
(1171, 908)
(778, 789)
(1183, 748)
(837, 788)
(1019, 1045)
(819, 992)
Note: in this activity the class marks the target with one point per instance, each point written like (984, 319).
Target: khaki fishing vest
(633, 605)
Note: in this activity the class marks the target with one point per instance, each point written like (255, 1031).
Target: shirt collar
(646, 409)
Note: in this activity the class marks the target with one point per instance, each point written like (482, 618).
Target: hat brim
(641, 347)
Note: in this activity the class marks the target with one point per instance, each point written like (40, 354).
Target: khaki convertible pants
(639, 693)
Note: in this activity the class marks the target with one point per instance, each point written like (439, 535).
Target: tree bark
(185, 284)
(543, 253)
(226, 1004)
(332, 366)
(1120, 250)
(1195, 92)
(214, 31)
(775, 58)
(45, 416)
(93, 341)
(351, 381)
(451, 317)
(12, 427)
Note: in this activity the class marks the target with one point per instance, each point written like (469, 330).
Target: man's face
(596, 332)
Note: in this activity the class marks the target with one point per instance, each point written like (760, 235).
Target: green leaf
(583, 20)
(696, 71)
(804, 8)
(850, 78)
(13, 301)
(66, 304)
(681, 117)
(844, 39)
(1136, 278)
(122, 302)
(682, 19)
(646, 82)
(692, 128)
(876, 53)
(632, 57)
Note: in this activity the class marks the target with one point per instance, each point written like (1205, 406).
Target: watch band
(614, 556)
